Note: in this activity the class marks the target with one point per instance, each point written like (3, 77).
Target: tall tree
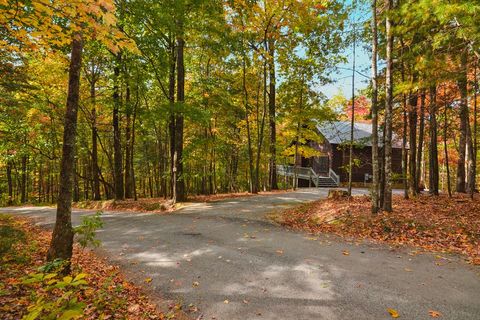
(178, 157)
(387, 145)
(433, 149)
(463, 113)
(375, 161)
(117, 144)
(62, 237)
(412, 138)
(421, 133)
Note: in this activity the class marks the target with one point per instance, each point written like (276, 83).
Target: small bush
(86, 230)
(56, 297)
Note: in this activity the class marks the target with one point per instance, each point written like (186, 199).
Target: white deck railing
(306, 173)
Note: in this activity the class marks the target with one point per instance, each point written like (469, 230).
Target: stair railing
(334, 176)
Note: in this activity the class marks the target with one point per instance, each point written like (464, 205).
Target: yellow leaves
(36, 23)
(109, 19)
(50, 276)
(148, 280)
(345, 253)
(393, 313)
(80, 276)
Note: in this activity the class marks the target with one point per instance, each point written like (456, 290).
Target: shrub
(86, 230)
(56, 297)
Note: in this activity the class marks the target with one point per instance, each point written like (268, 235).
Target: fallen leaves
(148, 280)
(157, 205)
(108, 295)
(439, 224)
(393, 313)
(434, 314)
(345, 253)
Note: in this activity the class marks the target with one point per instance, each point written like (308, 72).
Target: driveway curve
(226, 261)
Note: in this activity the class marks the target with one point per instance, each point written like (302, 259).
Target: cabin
(330, 167)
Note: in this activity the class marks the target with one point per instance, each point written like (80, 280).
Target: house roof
(338, 132)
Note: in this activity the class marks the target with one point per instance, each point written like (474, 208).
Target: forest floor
(440, 224)
(160, 204)
(27, 286)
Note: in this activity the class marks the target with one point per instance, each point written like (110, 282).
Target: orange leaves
(432, 223)
(434, 314)
(393, 313)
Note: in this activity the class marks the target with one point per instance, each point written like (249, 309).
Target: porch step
(326, 182)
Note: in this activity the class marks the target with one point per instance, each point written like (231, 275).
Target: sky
(342, 77)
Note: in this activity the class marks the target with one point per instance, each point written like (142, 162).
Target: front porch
(308, 177)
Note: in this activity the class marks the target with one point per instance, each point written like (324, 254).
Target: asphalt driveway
(225, 260)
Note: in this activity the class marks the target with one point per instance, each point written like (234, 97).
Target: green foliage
(52, 266)
(86, 230)
(56, 296)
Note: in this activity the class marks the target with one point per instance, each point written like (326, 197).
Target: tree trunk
(180, 179)
(95, 169)
(462, 87)
(375, 162)
(9, 182)
(272, 115)
(134, 189)
(76, 187)
(171, 124)
(387, 202)
(62, 237)
(470, 162)
(23, 191)
(40, 183)
(261, 126)
(404, 150)
(445, 148)
(352, 120)
(117, 145)
(128, 137)
(475, 132)
(433, 165)
(412, 137)
(421, 133)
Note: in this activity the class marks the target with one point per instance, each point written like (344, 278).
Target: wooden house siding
(336, 156)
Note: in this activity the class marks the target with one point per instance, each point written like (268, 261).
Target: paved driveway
(226, 260)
